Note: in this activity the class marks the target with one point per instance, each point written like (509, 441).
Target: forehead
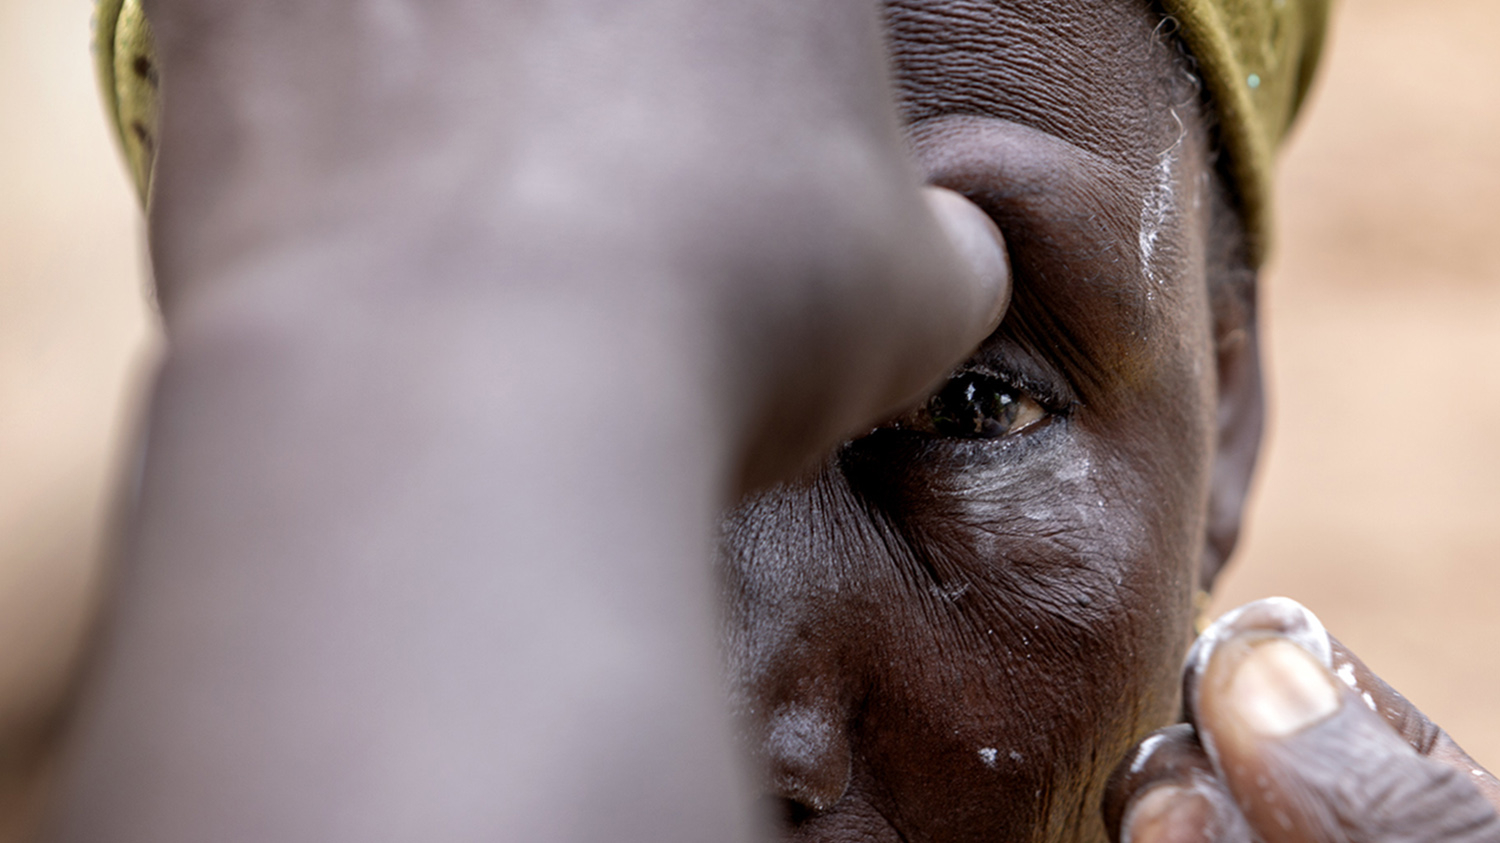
(1091, 72)
(1073, 124)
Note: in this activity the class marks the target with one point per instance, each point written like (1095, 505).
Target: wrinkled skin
(943, 638)
(956, 639)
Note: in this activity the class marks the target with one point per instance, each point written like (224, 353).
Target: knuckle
(1418, 801)
(1357, 781)
(1169, 755)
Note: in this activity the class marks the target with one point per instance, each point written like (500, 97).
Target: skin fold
(521, 353)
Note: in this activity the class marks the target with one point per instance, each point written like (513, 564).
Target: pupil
(973, 406)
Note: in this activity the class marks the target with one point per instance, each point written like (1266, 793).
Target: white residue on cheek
(1160, 200)
(989, 755)
(1069, 478)
(1074, 470)
(1038, 512)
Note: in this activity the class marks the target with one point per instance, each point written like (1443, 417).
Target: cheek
(1056, 613)
(963, 635)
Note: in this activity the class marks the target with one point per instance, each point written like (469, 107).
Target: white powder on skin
(1160, 201)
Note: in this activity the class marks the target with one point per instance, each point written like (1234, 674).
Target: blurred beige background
(74, 335)
(1378, 505)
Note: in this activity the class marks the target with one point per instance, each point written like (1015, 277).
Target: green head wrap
(1257, 58)
(126, 65)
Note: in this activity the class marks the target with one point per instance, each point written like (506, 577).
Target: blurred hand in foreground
(478, 313)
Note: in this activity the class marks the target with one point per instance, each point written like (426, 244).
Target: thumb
(950, 300)
(1305, 753)
(977, 242)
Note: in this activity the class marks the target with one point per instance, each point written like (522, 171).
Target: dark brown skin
(940, 638)
(480, 313)
(949, 639)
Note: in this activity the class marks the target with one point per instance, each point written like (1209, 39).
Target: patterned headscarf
(1256, 58)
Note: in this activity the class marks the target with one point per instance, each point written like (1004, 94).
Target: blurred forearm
(448, 586)
(421, 545)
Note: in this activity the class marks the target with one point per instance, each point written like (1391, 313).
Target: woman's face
(955, 629)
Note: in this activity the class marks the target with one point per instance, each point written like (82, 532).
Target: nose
(807, 754)
(800, 704)
(793, 637)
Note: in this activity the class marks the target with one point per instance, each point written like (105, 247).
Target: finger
(1424, 736)
(1305, 755)
(1167, 791)
(981, 248)
(944, 295)
(1421, 733)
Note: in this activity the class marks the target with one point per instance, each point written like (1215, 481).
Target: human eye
(974, 405)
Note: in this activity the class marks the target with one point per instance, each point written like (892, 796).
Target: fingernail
(1169, 814)
(1282, 617)
(1279, 689)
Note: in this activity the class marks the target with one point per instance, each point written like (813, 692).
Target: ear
(1241, 419)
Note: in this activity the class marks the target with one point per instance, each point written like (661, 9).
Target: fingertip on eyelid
(978, 243)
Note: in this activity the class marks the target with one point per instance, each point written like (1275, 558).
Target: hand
(1292, 738)
(477, 313)
(718, 195)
